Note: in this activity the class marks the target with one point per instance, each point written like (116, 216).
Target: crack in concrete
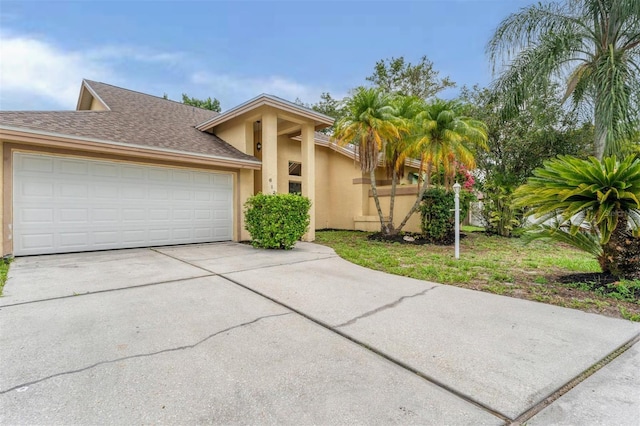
(384, 307)
(144, 355)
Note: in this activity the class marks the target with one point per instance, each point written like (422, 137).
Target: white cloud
(36, 72)
(233, 90)
(34, 68)
(133, 53)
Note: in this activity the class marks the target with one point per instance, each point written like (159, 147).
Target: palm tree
(368, 123)
(594, 45)
(406, 108)
(442, 135)
(593, 205)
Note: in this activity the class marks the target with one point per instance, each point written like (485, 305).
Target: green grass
(495, 264)
(4, 269)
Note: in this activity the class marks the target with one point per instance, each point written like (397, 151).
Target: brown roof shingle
(135, 118)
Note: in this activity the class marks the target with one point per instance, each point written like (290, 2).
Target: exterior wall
(288, 150)
(96, 105)
(3, 249)
(233, 132)
(405, 198)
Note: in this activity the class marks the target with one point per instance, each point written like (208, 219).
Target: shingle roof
(134, 118)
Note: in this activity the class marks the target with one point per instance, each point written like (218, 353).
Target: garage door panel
(115, 205)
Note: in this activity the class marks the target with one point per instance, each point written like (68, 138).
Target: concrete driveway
(225, 333)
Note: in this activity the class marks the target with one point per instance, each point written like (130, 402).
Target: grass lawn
(494, 264)
(4, 269)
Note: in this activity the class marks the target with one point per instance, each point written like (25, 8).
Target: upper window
(295, 168)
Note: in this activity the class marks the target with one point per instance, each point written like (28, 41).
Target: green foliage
(442, 135)
(589, 202)
(592, 44)
(498, 212)
(4, 270)
(396, 76)
(516, 146)
(211, 104)
(276, 221)
(368, 123)
(438, 216)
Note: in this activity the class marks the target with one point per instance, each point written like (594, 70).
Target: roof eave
(10, 132)
(266, 100)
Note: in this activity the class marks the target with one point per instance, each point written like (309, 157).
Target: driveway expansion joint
(555, 395)
(385, 307)
(23, 386)
(467, 398)
(180, 260)
(107, 290)
(279, 264)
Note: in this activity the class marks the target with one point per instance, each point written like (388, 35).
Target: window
(295, 168)
(295, 187)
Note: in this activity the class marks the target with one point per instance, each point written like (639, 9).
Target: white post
(456, 189)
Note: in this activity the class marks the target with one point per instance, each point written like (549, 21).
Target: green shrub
(276, 221)
(438, 215)
(498, 212)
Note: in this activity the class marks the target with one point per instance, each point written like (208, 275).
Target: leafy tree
(594, 45)
(443, 136)
(367, 124)
(211, 104)
(520, 144)
(591, 204)
(397, 76)
(329, 106)
(517, 146)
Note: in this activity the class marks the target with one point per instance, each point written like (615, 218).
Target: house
(127, 169)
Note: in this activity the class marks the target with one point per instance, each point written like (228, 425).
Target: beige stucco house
(126, 169)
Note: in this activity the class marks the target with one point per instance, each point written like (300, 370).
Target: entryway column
(308, 175)
(269, 152)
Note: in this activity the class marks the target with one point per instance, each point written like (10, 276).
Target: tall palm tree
(406, 109)
(442, 135)
(368, 123)
(594, 45)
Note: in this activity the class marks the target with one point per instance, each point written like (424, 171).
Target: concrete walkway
(225, 333)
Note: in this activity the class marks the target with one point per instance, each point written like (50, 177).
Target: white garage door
(65, 204)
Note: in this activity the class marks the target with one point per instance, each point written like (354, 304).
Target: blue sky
(233, 50)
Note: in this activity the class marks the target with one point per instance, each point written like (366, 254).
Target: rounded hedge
(276, 221)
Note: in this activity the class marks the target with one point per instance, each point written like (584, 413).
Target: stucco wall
(96, 105)
(2, 199)
(233, 132)
(288, 150)
(403, 202)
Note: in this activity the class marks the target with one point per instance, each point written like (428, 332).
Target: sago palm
(368, 123)
(591, 45)
(591, 204)
(443, 136)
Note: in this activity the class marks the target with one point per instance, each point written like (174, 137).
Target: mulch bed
(594, 278)
(411, 238)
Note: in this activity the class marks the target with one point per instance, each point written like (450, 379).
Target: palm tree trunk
(374, 189)
(600, 134)
(415, 206)
(621, 254)
(392, 202)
